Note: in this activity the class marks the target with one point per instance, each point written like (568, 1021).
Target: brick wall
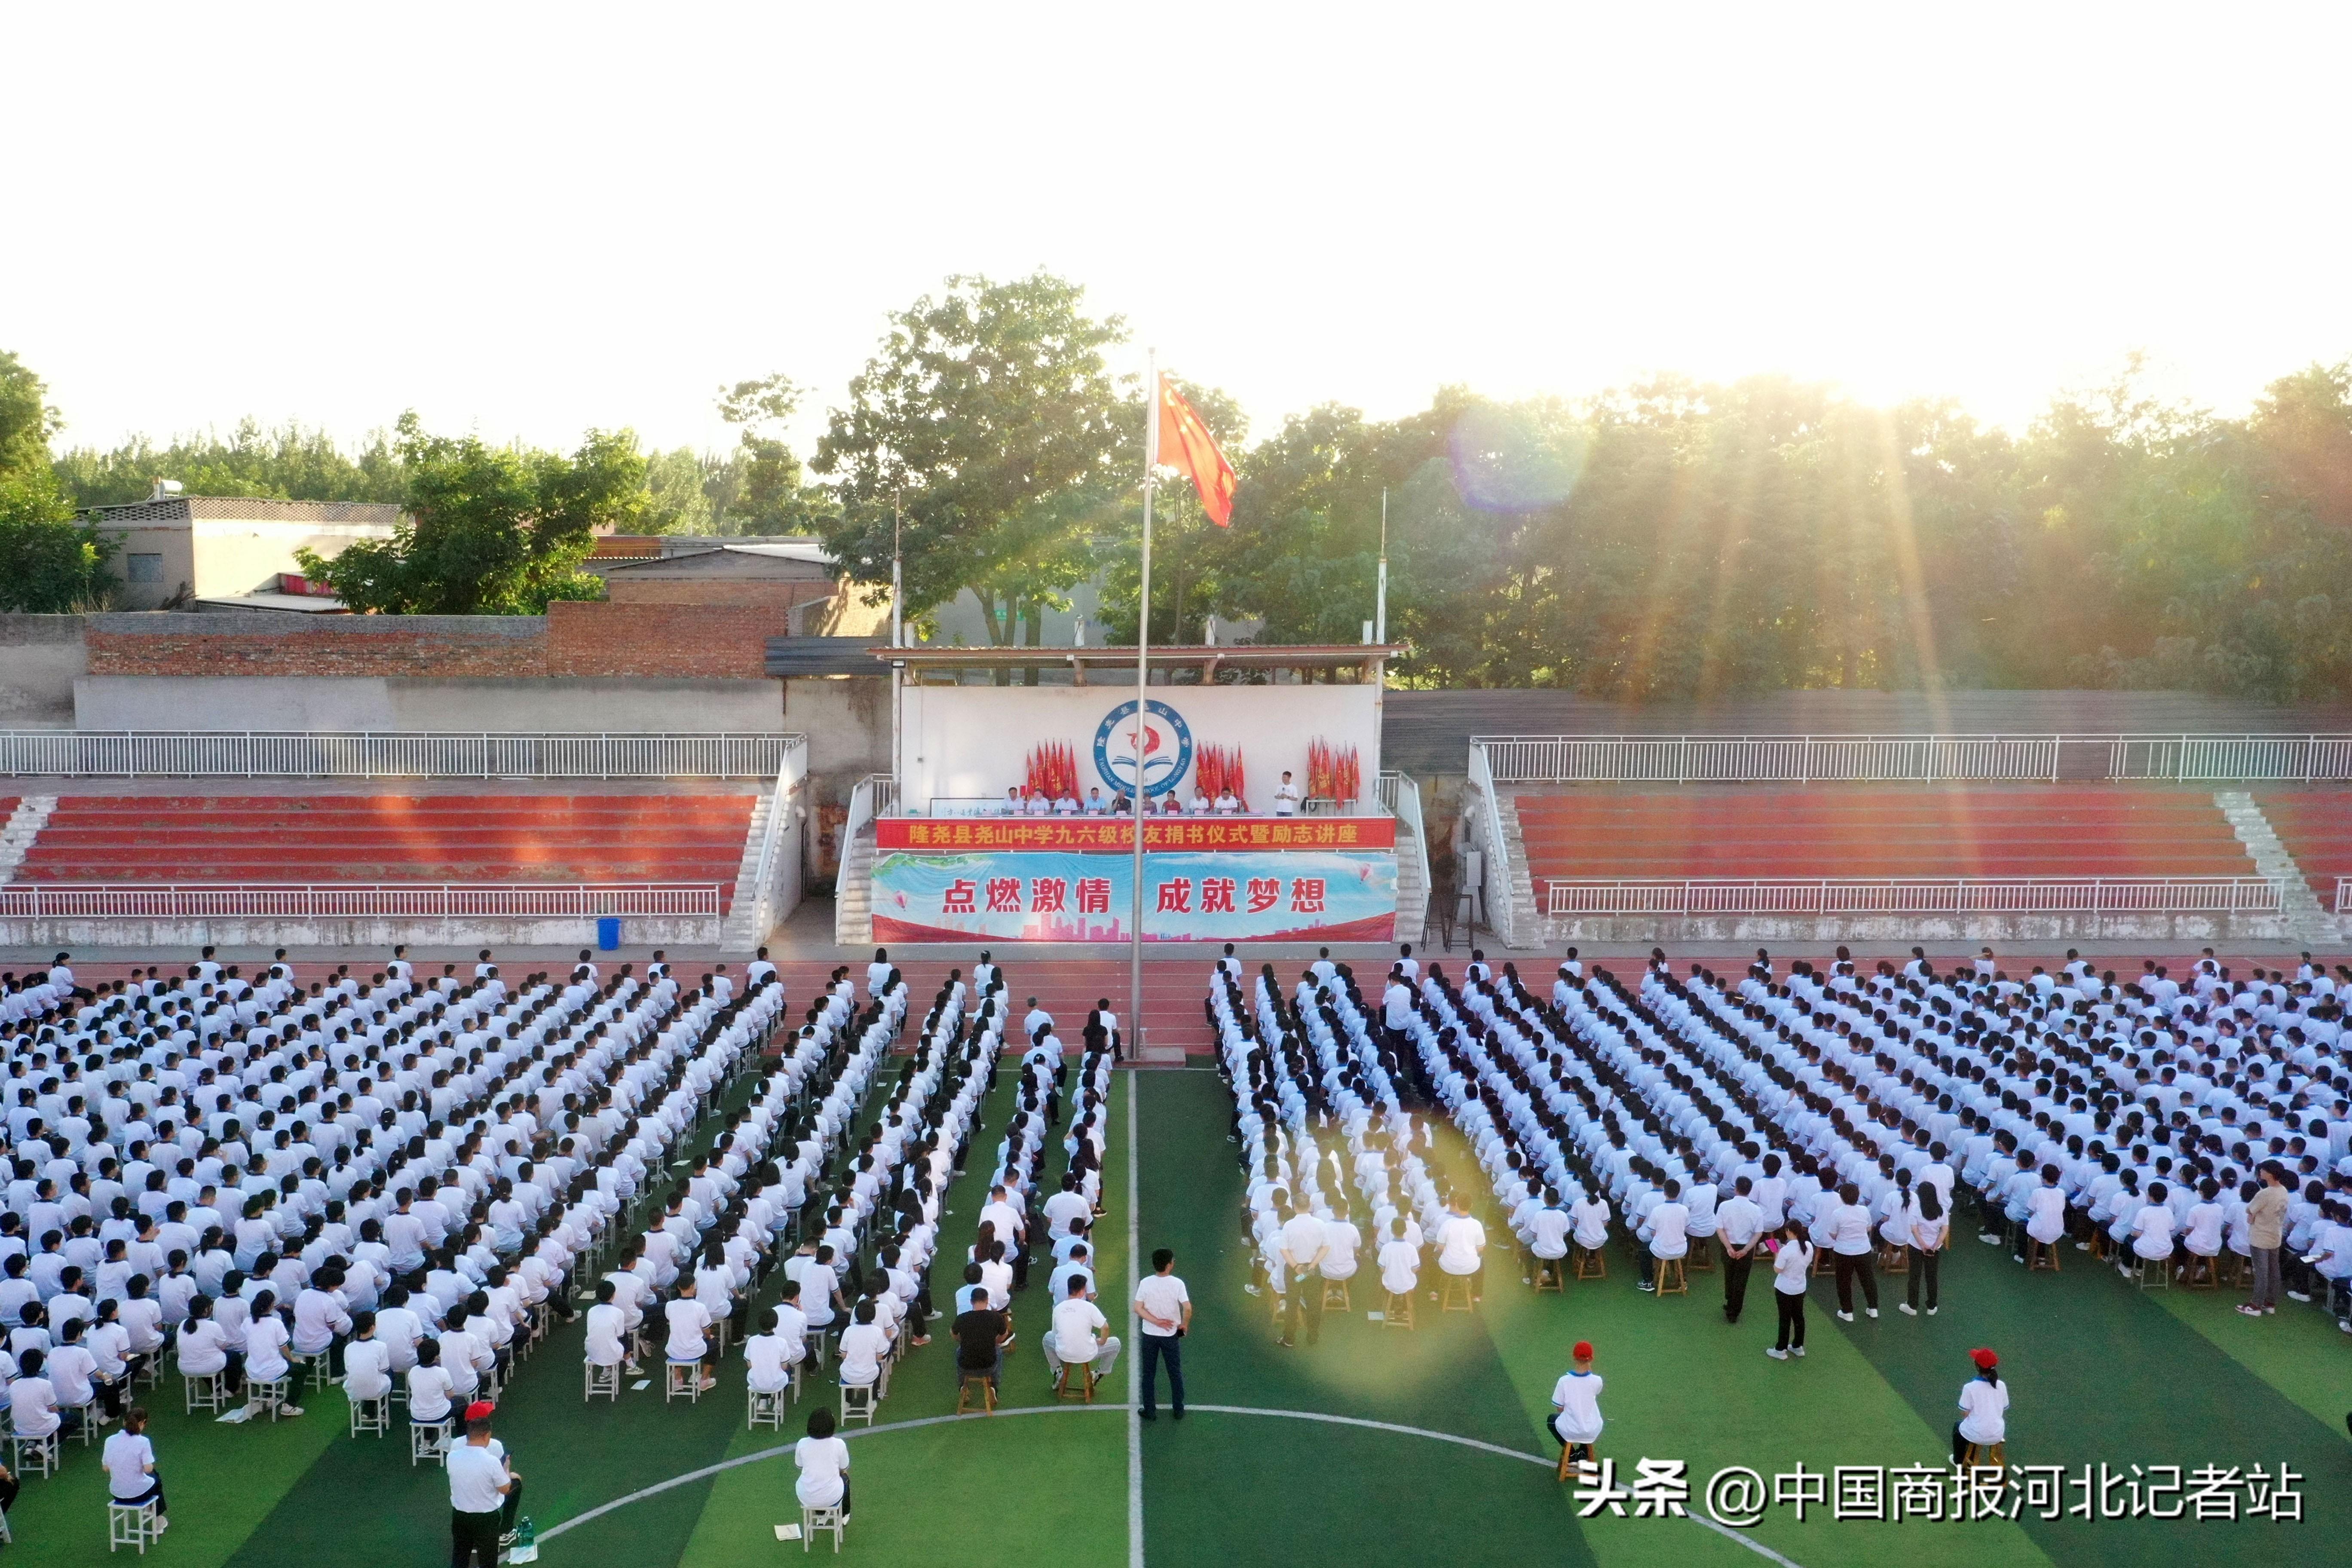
(688, 641)
(262, 643)
(580, 640)
(659, 590)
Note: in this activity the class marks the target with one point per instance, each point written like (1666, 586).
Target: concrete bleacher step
(24, 826)
(2306, 918)
(853, 907)
(736, 934)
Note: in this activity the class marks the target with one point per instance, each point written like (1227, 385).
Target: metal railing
(1913, 759)
(60, 900)
(1918, 896)
(134, 753)
(1495, 857)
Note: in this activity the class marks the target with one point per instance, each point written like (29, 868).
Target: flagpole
(1142, 694)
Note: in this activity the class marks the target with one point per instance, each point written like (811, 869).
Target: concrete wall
(392, 703)
(1806, 931)
(41, 657)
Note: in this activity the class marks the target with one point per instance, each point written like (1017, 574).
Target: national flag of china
(1185, 443)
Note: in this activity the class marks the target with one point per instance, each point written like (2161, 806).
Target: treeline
(1674, 539)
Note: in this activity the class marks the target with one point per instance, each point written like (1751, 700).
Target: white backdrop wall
(973, 740)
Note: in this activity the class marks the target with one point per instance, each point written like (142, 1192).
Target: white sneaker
(1872, 1311)
(1796, 1350)
(1845, 1316)
(2297, 1295)
(1931, 1311)
(1906, 1309)
(1775, 1354)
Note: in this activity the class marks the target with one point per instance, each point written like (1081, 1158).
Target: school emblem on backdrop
(1166, 747)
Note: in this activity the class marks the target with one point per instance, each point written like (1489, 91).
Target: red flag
(1186, 444)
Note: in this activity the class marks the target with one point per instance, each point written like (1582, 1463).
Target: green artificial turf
(2098, 1371)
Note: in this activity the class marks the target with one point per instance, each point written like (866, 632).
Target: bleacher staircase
(2306, 919)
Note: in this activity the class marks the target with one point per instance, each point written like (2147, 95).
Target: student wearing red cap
(1984, 1409)
(482, 1492)
(1576, 1405)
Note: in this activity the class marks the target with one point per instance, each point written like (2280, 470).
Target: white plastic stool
(767, 1409)
(683, 1377)
(372, 1415)
(271, 1395)
(40, 1456)
(204, 1392)
(602, 1380)
(129, 1524)
(858, 1403)
(815, 1519)
(427, 1440)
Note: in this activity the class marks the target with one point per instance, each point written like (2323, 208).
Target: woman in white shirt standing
(1792, 1262)
(824, 1462)
(130, 1458)
(1931, 1228)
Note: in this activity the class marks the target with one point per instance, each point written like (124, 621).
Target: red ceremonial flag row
(1054, 770)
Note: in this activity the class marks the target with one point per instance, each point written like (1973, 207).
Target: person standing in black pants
(1792, 1263)
(1739, 1225)
(1165, 1311)
(1930, 1229)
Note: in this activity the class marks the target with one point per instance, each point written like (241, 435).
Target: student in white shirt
(1739, 1225)
(689, 1333)
(1461, 1248)
(1849, 1233)
(823, 1460)
(429, 1387)
(608, 1332)
(482, 1490)
(1666, 1235)
(1984, 1406)
(1792, 1264)
(1163, 1312)
(129, 1459)
(1575, 1419)
(862, 1347)
(1285, 798)
(367, 1361)
(767, 1359)
(1931, 1231)
(1080, 1335)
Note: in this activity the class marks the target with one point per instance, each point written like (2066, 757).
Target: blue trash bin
(608, 933)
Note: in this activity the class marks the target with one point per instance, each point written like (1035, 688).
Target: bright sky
(530, 220)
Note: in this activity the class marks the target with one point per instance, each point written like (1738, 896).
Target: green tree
(989, 412)
(766, 490)
(49, 565)
(491, 530)
(288, 462)
(26, 419)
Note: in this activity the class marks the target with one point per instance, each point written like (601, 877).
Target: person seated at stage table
(1170, 806)
(1066, 806)
(1199, 805)
(1122, 803)
(1039, 805)
(1096, 804)
(1012, 806)
(1228, 803)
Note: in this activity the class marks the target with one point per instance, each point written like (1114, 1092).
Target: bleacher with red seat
(2315, 826)
(144, 839)
(1743, 833)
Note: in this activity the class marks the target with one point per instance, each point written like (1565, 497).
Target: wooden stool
(1085, 1387)
(2236, 1273)
(2042, 1255)
(1457, 1287)
(1701, 1257)
(602, 1381)
(1671, 1280)
(1342, 1302)
(371, 1417)
(2151, 1273)
(1893, 1259)
(2198, 1275)
(427, 1440)
(203, 1393)
(857, 1402)
(129, 1524)
(1825, 1262)
(682, 1377)
(1550, 1276)
(964, 1383)
(1567, 1468)
(767, 1409)
(815, 1519)
(1979, 1454)
(1398, 1313)
(1589, 1262)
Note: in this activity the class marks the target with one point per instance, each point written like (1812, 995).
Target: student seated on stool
(1984, 1410)
(1575, 1419)
(823, 1460)
(131, 1478)
(1080, 1338)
